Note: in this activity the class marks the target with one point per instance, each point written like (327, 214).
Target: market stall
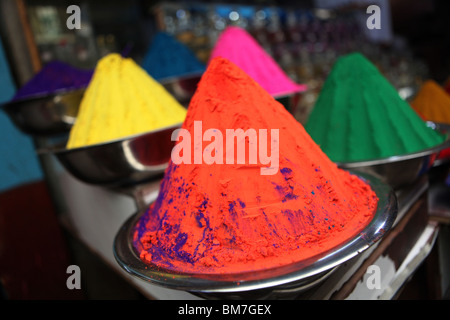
(234, 151)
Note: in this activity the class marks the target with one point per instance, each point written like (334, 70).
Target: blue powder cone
(167, 58)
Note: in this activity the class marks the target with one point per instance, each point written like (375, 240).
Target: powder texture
(167, 58)
(224, 218)
(53, 77)
(238, 46)
(432, 102)
(360, 116)
(122, 100)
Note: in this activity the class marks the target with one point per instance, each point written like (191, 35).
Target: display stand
(96, 214)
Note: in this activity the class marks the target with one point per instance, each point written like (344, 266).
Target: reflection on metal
(403, 170)
(45, 115)
(125, 161)
(295, 277)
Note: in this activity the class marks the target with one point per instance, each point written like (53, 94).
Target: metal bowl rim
(408, 156)
(186, 76)
(289, 94)
(63, 150)
(382, 221)
(43, 95)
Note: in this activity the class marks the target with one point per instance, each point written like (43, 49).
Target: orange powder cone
(432, 103)
(221, 218)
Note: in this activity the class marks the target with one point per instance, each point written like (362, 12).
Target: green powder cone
(360, 116)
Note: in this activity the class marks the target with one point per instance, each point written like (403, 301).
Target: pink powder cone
(238, 46)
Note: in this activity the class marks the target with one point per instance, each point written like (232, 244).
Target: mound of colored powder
(223, 218)
(432, 102)
(238, 46)
(359, 115)
(120, 101)
(53, 77)
(167, 58)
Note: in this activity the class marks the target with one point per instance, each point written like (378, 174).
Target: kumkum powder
(360, 116)
(227, 218)
(432, 102)
(238, 46)
(122, 100)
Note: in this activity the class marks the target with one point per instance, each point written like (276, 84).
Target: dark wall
(426, 25)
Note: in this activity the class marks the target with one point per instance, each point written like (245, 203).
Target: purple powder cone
(53, 77)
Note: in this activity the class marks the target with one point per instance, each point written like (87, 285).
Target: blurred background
(305, 37)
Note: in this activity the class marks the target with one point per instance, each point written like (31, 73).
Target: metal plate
(402, 170)
(120, 162)
(291, 276)
(182, 88)
(444, 155)
(45, 115)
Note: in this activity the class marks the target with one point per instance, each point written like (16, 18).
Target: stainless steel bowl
(402, 170)
(444, 155)
(265, 283)
(120, 162)
(182, 88)
(45, 115)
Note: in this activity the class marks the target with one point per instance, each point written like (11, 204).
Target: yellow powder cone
(432, 102)
(122, 100)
